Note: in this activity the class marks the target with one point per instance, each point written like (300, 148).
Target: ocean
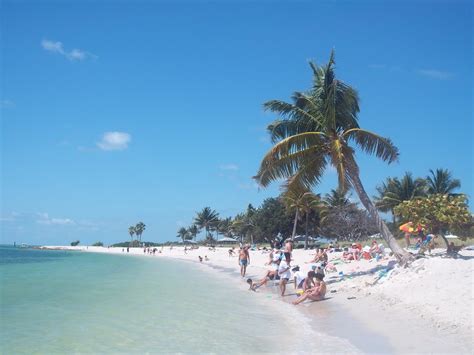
(61, 302)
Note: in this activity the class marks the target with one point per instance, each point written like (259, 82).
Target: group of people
(309, 285)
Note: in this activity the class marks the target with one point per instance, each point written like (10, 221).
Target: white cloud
(43, 218)
(73, 55)
(55, 47)
(435, 74)
(232, 167)
(114, 141)
(7, 103)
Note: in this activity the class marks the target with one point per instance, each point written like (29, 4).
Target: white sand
(427, 308)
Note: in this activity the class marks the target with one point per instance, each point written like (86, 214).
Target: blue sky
(116, 113)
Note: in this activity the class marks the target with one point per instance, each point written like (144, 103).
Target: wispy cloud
(231, 167)
(73, 55)
(435, 74)
(114, 141)
(44, 218)
(5, 103)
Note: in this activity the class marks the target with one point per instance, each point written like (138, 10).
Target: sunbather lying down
(315, 293)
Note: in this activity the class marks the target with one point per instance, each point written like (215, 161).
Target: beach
(376, 305)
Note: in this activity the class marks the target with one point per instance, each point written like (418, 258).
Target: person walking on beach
(284, 272)
(244, 260)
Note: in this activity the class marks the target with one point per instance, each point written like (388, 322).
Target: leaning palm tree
(393, 191)
(206, 219)
(317, 130)
(442, 182)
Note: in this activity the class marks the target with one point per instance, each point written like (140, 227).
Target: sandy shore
(428, 308)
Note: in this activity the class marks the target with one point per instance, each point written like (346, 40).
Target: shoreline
(374, 320)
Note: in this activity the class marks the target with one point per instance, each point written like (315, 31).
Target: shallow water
(65, 301)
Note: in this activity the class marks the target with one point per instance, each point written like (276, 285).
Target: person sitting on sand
(374, 249)
(284, 272)
(321, 256)
(315, 293)
(303, 280)
(352, 254)
(270, 274)
(244, 260)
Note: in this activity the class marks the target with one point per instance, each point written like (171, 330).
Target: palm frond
(372, 143)
(285, 160)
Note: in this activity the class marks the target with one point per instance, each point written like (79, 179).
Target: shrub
(73, 244)
(98, 244)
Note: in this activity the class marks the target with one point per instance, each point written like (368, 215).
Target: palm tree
(393, 191)
(441, 182)
(244, 224)
(193, 231)
(299, 199)
(316, 130)
(224, 226)
(206, 219)
(335, 200)
(183, 234)
(139, 229)
(131, 231)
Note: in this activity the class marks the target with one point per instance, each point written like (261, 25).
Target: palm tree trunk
(294, 225)
(403, 257)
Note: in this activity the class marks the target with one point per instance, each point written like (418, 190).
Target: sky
(118, 112)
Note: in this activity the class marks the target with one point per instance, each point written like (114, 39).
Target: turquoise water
(73, 302)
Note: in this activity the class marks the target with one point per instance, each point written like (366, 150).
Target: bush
(73, 244)
(98, 244)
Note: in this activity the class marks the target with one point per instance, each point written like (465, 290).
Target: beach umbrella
(407, 227)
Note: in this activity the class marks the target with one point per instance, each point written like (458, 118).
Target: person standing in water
(244, 260)
(284, 272)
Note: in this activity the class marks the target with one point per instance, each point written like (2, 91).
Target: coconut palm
(131, 231)
(244, 225)
(299, 199)
(183, 234)
(441, 182)
(206, 219)
(224, 226)
(317, 130)
(337, 199)
(193, 231)
(139, 229)
(393, 191)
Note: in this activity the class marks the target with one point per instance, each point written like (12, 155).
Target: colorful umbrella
(407, 227)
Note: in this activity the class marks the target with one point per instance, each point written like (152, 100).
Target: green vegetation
(137, 230)
(75, 243)
(439, 213)
(98, 244)
(319, 129)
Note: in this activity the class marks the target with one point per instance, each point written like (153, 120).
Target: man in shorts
(244, 260)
